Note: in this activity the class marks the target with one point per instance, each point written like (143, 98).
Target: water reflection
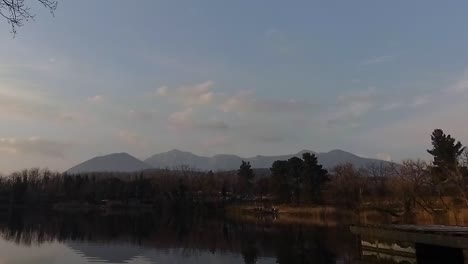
(149, 238)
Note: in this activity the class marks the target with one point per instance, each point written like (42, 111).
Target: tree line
(409, 186)
(440, 185)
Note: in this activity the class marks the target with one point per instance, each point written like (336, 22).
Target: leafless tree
(416, 185)
(347, 185)
(378, 174)
(16, 12)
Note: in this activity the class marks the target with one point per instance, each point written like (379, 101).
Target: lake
(50, 237)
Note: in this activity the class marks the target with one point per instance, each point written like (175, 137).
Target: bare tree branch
(16, 12)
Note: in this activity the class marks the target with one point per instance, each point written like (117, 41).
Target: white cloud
(350, 107)
(199, 94)
(96, 99)
(128, 137)
(24, 105)
(162, 91)
(357, 96)
(182, 118)
(205, 98)
(377, 60)
(420, 100)
(412, 132)
(185, 119)
(238, 103)
(349, 114)
(461, 85)
(384, 156)
(33, 146)
(246, 102)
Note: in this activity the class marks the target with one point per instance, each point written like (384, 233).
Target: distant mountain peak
(178, 152)
(115, 162)
(122, 154)
(175, 151)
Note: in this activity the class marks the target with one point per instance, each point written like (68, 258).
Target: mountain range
(123, 162)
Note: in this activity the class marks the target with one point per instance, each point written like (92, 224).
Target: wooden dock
(444, 236)
(427, 244)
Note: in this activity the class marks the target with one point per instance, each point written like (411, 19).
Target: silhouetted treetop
(445, 150)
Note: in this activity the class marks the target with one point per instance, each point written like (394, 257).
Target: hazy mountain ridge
(123, 162)
(231, 162)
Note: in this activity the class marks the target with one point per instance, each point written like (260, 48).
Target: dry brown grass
(332, 216)
(289, 214)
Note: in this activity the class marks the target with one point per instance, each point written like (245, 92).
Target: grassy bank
(332, 216)
(288, 214)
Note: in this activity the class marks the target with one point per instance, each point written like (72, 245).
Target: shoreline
(333, 216)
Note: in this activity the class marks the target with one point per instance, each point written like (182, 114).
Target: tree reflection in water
(284, 244)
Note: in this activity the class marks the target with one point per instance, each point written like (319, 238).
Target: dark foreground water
(145, 238)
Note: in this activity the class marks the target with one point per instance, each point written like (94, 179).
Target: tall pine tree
(445, 150)
(315, 176)
(246, 176)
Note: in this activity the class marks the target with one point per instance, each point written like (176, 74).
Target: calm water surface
(145, 238)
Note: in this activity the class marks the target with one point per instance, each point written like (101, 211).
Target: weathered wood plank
(447, 236)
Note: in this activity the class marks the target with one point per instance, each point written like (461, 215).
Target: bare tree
(346, 185)
(16, 12)
(379, 174)
(417, 186)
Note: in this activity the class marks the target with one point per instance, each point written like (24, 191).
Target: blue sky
(241, 77)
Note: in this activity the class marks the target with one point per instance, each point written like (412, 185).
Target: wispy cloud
(186, 119)
(34, 146)
(96, 99)
(447, 107)
(200, 94)
(384, 156)
(246, 102)
(23, 105)
(182, 118)
(461, 85)
(162, 91)
(420, 100)
(350, 107)
(128, 137)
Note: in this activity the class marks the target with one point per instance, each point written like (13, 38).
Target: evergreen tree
(246, 176)
(280, 182)
(295, 173)
(315, 176)
(445, 150)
